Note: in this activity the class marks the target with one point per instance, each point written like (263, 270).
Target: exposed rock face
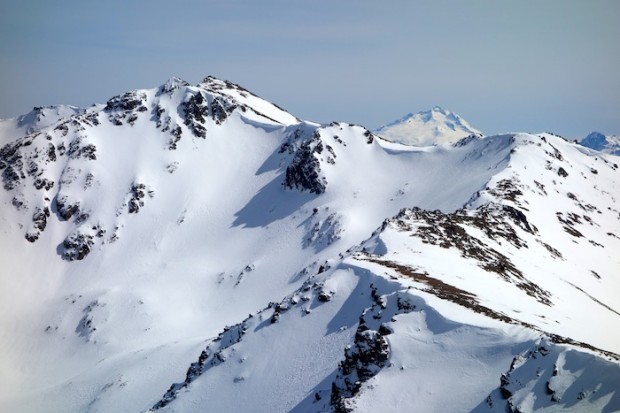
(449, 231)
(62, 136)
(196, 111)
(368, 355)
(304, 172)
(562, 375)
(126, 107)
(39, 220)
(87, 151)
(137, 193)
(43, 183)
(221, 108)
(66, 209)
(213, 355)
(77, 246)
(11, 164)
(370, 351)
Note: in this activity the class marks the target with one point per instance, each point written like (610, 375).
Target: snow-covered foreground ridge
(192, 248)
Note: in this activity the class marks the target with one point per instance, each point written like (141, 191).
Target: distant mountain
(192, 248)
(603, 143)
(431, 127)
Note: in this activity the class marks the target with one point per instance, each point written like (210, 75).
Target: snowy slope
(38, 118)
(193, 247)
(599, 142)
(431, 127)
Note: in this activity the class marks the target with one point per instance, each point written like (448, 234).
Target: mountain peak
(250, 261)
(42, 116)
(172, 84)
(430, 127)
(600, 142)
(213, 81)
(439, 109)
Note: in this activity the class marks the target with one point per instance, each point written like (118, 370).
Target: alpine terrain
(598, 141)
(197, 248)
(431, 127)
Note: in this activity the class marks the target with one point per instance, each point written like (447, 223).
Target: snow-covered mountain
(599, 142)
(431, 127)
(38, 118)
(191, 248)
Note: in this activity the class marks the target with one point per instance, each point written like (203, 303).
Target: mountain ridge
(200, 246)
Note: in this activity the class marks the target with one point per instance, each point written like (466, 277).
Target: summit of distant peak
(429, 127)
(600, 142)
(439, 109)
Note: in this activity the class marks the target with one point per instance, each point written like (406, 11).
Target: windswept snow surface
(430, 127)
(187, 248)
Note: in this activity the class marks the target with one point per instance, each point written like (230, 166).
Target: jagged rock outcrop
(77, 246)
(126, 107)
(449, 231)
(370, 351)
(304, 172)
(196, 111)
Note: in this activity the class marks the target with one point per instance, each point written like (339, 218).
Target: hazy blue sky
(503, 65)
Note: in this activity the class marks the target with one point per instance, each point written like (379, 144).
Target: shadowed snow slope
(187, 248)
